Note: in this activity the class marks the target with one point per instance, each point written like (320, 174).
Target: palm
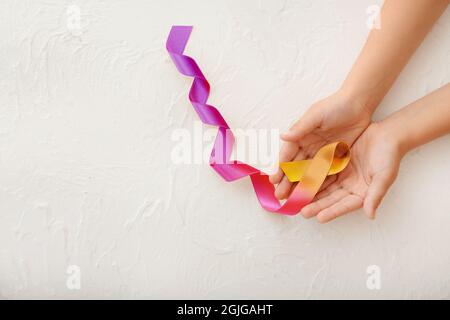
(339, 129)
(372, 169)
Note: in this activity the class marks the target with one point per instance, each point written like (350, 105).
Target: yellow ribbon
(312, 172)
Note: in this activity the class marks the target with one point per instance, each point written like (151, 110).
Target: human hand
(374, 164)
(339, 117)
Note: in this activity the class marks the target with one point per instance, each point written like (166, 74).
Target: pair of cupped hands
(374, 163)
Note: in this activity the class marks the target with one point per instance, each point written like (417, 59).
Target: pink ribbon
(219, 160)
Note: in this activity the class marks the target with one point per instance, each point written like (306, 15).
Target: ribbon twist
(310, 173)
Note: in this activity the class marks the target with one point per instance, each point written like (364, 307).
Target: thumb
(301, 128)
(377, 190)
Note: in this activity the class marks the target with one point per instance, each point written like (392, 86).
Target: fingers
(327, 191)
(345, 205)
(284, 188)
(287, 153)
(317, 206)
(377, 190)
(301, 128)
(329, 181)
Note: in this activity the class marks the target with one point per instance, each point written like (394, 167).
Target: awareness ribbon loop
(310, 174)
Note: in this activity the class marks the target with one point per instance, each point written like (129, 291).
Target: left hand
(339, 117)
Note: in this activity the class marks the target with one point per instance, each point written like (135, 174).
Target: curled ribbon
(310, 174)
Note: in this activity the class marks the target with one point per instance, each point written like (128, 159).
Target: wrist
(398, 133)
(360, 97)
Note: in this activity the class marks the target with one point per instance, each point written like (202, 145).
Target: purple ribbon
(219, 160)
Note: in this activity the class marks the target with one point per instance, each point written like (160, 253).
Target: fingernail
(321, 220)
(304, 214)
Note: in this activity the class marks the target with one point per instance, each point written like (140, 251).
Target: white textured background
(86, 117)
